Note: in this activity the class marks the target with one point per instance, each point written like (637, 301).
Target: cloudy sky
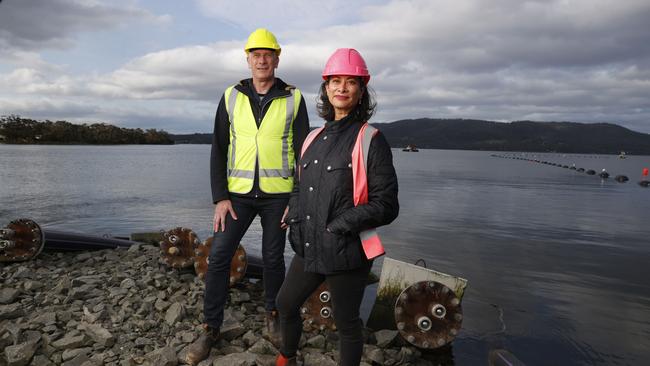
(165, 64)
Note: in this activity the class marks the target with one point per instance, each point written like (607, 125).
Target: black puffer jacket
(324, 223)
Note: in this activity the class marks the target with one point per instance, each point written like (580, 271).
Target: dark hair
(362, 112)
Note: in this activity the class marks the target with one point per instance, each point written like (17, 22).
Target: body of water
(557, 261)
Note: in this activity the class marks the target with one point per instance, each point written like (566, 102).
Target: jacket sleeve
(300, 128)
(219, 154)
(300, 132)
(382, 207)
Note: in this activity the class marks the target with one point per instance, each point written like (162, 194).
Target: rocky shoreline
(122, 307)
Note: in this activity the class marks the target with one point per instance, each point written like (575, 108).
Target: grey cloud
(37, 24)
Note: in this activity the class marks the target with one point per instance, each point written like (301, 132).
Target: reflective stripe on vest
(370, 241)
(270, 145)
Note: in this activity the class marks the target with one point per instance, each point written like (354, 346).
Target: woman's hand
(283, 223)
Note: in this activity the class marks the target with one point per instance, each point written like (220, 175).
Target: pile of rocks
(121, 307)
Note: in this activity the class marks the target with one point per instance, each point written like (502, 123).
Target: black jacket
(221, 137)
(324, 223)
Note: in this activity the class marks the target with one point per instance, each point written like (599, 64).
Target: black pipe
(65, 241)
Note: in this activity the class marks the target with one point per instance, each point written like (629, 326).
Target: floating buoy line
(603, 174)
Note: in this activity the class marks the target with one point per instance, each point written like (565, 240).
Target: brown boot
(273, 328)
(285, 361)
(200, 349)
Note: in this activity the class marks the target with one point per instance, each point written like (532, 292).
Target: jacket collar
(340, 125)
(279, 88)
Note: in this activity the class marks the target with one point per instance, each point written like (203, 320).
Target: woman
(325, 224)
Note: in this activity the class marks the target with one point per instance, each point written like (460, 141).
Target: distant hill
(468, 134)
(565, 137)
(192, 138)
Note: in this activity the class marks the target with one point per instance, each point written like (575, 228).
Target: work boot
(282, 360)
(273, 328)
(200, 349)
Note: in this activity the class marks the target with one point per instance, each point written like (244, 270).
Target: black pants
(347, 292)
(217, 278)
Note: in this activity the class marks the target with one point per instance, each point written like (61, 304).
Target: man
(259, 129)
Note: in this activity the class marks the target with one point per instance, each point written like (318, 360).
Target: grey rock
(21, 354)
(317, 341)
(232, 329)
(374, 354)
(313, 359)
(22, 272)
(88, 280)
(11, 311)
(70, 354)
(162, 357)
(8, 295)
(82, 292)
(127, 283)
(41, 360)
(48, 318)
(83, 256)
(385, 337)
(161, 305)
(99, 334)
(263, 347)
(80, 360)
(143, 341)
(250, 338)
(70, 341)
(175, 313)
(239, 297)
(134, 248)
(31, 285)
(236, 359)
(187, 337)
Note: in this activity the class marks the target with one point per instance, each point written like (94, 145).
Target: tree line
(17, 130)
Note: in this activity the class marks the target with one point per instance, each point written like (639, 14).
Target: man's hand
(283, 224)
(221, 209)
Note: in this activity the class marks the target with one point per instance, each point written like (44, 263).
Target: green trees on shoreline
(17, 130)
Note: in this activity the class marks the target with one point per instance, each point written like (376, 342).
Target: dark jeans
(347, 292)
(217, 278)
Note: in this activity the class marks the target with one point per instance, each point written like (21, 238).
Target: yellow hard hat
(262, 38)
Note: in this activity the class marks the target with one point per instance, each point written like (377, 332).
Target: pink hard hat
(346, 61)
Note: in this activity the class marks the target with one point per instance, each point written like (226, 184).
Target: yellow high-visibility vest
(271, 145)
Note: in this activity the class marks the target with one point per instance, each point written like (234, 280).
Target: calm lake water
(558, 262)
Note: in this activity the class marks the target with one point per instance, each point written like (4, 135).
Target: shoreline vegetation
(17, 130)
(425, 133)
